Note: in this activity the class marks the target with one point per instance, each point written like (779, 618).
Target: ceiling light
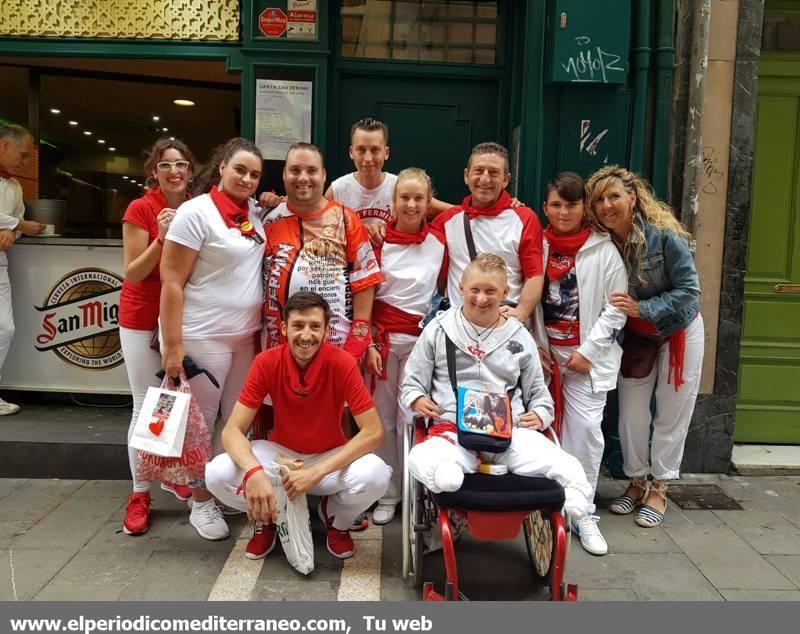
(183, 102)
(172, 138)
(164, 129)
(124, 178)
(73, 123)
(87, 133)
(57, 111)
(101, 141)
(156, 117)
(112, 149)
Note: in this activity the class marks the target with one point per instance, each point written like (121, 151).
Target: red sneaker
(137, 514)
(263, 541)
(339, 543)
(180, 491)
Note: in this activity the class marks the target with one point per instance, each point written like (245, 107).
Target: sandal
(624, 504)
(649, 517)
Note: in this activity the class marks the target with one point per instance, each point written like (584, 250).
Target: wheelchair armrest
(552, 436)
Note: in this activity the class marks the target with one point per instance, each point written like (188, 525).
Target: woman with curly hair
(663, 345)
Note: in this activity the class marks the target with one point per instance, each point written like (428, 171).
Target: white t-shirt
(371, 205)
(12, 209)
(224, 294)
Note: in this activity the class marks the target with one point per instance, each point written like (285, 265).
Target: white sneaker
(6, 408)
(208, 521)
(383, 513)
(591, 539)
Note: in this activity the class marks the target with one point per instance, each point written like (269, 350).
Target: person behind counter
(211, 297)
(16, 147)
(168, 168)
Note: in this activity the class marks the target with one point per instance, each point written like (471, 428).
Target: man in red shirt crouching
(309, 382)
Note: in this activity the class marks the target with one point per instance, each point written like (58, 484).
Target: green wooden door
(433, 123)
(768, 410)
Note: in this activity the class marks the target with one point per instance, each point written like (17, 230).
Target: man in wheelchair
(494, 353)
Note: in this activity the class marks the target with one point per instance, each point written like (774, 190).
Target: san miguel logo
(80, 319)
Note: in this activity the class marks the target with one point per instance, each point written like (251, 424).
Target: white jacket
(511, 358)
(600, 271)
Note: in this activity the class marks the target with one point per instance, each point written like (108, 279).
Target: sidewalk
(62, 540)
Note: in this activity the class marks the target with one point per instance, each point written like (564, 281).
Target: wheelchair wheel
(541, 544)
(418, 517)
(413, 518)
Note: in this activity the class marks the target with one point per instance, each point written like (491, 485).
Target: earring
(150, 182)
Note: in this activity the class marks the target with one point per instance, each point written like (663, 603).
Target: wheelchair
(494, 508)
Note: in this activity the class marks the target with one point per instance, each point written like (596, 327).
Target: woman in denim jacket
(664, 333)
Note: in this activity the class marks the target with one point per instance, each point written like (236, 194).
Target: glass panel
(456, 31)
(781, 33)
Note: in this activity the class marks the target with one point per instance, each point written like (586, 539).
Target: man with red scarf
(494, 226)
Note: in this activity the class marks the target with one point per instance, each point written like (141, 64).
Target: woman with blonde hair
(663, 344)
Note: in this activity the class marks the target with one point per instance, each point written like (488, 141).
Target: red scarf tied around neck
(393, 236)
(235, 216)
(565, 246)
(503, 203)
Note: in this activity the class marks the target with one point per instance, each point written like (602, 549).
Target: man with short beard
(309, 382)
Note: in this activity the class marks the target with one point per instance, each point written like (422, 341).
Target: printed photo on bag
(484, 411)
(161, 413)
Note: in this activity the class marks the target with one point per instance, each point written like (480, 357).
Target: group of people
(334, 287)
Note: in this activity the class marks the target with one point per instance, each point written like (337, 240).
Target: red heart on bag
(157, 427)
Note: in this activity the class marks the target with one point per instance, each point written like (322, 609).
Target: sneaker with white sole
(7, 409)
(208, 521)
(383, 513)
(592, 539)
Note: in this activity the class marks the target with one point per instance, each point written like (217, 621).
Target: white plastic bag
(161, 426)
(294, 525)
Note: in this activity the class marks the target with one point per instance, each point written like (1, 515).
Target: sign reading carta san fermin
(80, 319)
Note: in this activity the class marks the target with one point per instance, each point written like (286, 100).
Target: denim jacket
(669, 296)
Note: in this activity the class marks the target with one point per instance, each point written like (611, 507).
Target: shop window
(781, 33)
(453, 31)
(96, 121)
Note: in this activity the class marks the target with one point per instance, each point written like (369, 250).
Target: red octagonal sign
(272, 22)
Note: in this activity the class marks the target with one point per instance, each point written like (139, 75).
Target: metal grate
(702, 497)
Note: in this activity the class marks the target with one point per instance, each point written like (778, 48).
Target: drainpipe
(698, 69)
(642, 54)
(662, 106)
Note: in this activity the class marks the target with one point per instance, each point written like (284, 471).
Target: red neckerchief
(566, 247)
(5, 174)
(393, 236)
(388, 319)
(677, 347)
(235, 216)
(503, 203)
(304, 382)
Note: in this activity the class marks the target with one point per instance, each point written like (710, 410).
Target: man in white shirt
(16, 147)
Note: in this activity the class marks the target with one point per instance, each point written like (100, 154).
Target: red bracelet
(246, 477)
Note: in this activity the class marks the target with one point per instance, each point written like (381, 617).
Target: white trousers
(582, 419)
(6, 315)
(351, 490)
(142, 363)
(440, 465)
(393, 415)
(662, 459)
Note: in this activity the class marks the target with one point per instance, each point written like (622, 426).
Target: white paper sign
(283, 115)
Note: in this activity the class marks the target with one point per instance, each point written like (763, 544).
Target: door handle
(788, 289)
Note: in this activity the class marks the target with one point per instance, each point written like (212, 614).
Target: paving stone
(34, 499)
(726, 559)
(761, 595)
(789, 565)
(111, 538)
(655, 577)
(606, 594)
(94, 576)
(9, 531)
(183, 536)
(776, 494)
(71, 525)
(9, 485)
(32, 569)
(175, 577)
(297, 590)
(769, 533)
(104, 489)
(624, 536)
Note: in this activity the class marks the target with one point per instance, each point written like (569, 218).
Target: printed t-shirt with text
(328, 253)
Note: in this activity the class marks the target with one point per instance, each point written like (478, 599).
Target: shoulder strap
(450, 349)
(468, 235)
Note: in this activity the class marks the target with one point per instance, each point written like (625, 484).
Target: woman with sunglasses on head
(168, 168)
(211, 297)
(663, 344)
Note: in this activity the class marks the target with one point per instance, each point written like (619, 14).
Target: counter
(66, 302)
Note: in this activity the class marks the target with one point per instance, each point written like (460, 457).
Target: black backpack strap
(450, 349)
(468, 235)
